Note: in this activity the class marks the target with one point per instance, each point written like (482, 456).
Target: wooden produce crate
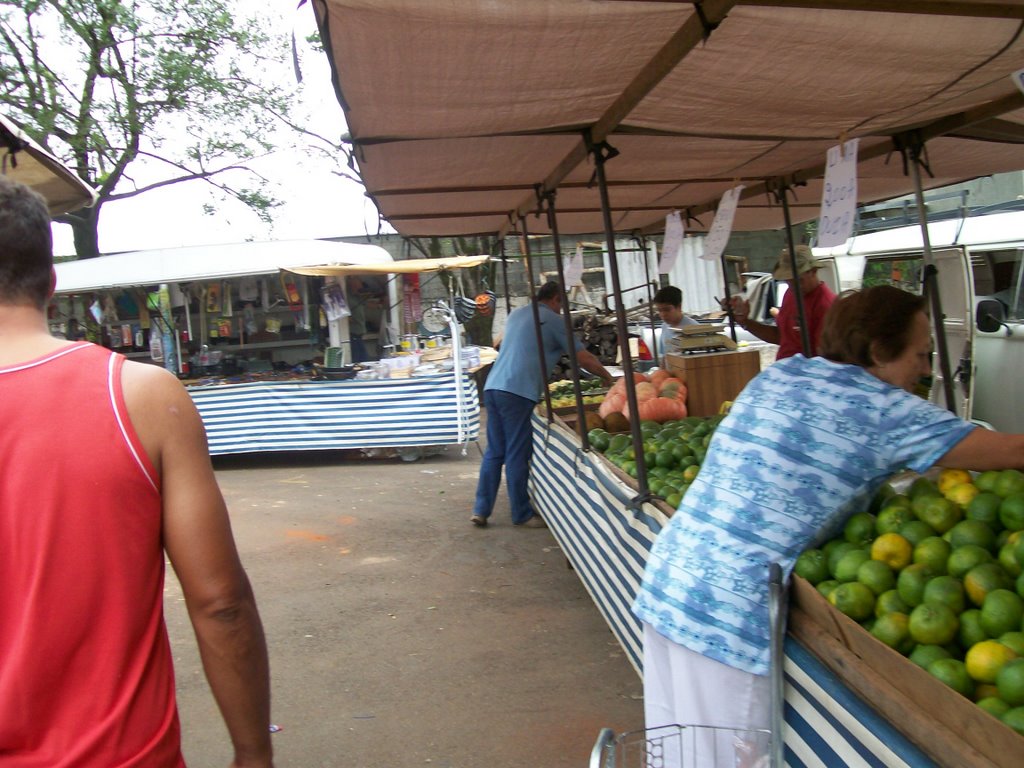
(711, 378)
(949, 728)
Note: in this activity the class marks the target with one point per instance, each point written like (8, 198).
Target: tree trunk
(85, 230)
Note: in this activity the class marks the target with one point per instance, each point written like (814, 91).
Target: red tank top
(86, 677)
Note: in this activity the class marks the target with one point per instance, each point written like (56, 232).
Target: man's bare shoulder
(160, 409)
(149, 382)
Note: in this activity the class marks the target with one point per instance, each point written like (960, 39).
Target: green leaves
(193, 84)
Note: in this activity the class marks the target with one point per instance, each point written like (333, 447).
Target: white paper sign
(672, 243)
(838, 195)
(721, 227)
(573, 268)
(1018, 78)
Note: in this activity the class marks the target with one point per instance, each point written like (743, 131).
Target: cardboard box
(949, 728)
(711, 378)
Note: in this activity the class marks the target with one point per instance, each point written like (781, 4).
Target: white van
(978, 262)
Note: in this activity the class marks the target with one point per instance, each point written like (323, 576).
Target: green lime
(812, 565)
(876, 576)
(953, 673)
(985, 508)
(916, 531)
(846, 568)
(947, 591)
(860, 528)
(890, 602)
(853, 599)
(923, 655)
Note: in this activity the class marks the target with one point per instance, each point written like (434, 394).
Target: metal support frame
(504, 275)
(536, 318)
(602, 152)
(782, 195)
(548, 203)
(913, 148)
(641, 242)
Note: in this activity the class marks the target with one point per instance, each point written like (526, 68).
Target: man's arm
(589, 362)
(201, 548)
(741, 313)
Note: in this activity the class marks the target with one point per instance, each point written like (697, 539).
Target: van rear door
(956, 292)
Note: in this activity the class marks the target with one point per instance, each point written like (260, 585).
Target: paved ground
(400, 635)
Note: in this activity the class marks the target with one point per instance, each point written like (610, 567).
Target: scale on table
(690, 339)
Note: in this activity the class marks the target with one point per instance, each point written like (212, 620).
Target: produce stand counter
(303, 414)
(911, 719)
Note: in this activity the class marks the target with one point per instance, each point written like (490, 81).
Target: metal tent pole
(574, 365)
(641, 242)
(930, 285)
(782, 194)
(504, 275)
(536, 317)
(602, 153)
(728, 296)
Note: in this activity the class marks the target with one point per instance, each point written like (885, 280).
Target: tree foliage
(181, 84)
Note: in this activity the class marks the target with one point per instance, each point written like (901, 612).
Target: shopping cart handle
(604, 739)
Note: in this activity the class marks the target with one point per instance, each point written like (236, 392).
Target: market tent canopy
(403, 267)
(24, 161)
(208, 262)
(462, 112)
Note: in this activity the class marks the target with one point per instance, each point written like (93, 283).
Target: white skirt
(682, 687)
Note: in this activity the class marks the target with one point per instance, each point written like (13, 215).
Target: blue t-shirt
(517, 369)
(806, 444)
(667, 334)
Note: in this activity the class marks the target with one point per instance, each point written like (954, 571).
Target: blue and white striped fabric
(827, 725)
(586, 507)
(328, 415)
(607, 543)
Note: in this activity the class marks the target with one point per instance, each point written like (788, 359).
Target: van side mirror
(989, 315)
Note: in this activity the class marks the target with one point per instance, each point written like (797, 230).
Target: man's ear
(53, 282)
(876, 362)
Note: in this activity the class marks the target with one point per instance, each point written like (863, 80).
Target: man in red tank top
(103, 469)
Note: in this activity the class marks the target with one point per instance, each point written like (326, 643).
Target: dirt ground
(400, 635)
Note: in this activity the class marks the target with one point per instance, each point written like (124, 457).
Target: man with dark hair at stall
(104, 468)
(668, 303)
(514, 386)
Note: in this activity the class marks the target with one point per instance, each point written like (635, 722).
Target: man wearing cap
(817, 299)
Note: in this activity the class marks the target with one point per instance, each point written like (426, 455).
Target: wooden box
(711, 378)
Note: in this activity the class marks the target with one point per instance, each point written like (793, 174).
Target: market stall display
(263, 348)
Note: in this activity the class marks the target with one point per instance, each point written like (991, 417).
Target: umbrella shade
(24, 161)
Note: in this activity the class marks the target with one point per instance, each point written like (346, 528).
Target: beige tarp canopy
(403, 267)
(24, 161)
(459, 111)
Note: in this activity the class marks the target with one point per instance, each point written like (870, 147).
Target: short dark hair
(549, 290)
(870, 326)
(26, 246)
(669, 295)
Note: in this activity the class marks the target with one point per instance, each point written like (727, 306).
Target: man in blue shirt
(514, 386)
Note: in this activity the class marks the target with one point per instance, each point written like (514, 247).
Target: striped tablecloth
(588, 509)
(322, 415)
